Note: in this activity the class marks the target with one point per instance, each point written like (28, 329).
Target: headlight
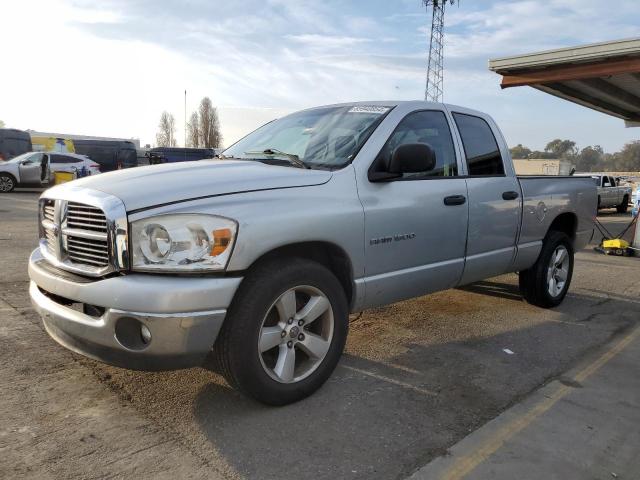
(182, 243)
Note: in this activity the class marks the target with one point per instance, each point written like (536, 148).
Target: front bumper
(182, 314)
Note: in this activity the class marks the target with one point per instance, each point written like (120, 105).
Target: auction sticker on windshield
(369, 109)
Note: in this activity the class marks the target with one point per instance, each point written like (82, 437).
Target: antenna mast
(435, 76)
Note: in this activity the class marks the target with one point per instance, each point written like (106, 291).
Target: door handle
(510, 195)
(455, 200)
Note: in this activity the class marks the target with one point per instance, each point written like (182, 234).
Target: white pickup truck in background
(611, 195)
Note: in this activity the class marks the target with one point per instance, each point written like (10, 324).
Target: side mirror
(412, 158)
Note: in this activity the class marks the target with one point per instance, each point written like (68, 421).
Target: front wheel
(285, 331)
(546, 283)
(7, 183)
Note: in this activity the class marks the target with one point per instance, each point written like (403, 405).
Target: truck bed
(547, 197)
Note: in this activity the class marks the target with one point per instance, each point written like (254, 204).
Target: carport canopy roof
(601, 76)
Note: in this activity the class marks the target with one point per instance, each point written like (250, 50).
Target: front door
(30, 169)
(415, 226)
(613, 192)
(495, 202)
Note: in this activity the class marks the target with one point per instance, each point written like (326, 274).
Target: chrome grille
(49, 210)
(86, 217)
(48, 214)
(85, 250)
(88, 238)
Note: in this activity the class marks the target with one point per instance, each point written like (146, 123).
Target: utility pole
(434, 89)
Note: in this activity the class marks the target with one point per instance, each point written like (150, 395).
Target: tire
(622, 208)
(7, 183)
(538, 282)
(257, 338)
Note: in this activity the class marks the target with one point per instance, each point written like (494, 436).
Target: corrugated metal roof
(603, 76)
(583, 53)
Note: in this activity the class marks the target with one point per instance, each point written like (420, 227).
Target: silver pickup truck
(610, 195)
(254, 261)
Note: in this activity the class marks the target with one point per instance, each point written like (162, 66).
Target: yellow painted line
(468, 463)
(393, 381)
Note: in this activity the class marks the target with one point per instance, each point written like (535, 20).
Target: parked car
(173, 154)
(13, 143)
(611, 195)
(30, 169)
(73, 163)
(109, 154)
(262, 254)
(35, 169)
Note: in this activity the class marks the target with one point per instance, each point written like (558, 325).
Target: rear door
(495, 202)
(62, 163)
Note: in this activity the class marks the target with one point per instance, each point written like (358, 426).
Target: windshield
(326, 137)
(20, 158)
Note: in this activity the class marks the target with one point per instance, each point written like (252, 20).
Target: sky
(110, 67)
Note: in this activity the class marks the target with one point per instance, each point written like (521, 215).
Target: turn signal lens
(221, 241)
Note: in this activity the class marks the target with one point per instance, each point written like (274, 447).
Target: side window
(606, 182)
(432, 128)
(57, 158)
(480, 146)
(35, 158)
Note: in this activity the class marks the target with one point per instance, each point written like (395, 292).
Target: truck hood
(145, 187)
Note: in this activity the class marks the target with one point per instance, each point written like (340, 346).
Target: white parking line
(24, 208)
(393, 381)
(32, 201)
(402, 367)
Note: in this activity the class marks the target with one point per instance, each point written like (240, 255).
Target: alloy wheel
(296, 334)
(6, 184)
(558, 271)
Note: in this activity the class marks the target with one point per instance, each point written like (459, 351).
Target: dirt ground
(417, 377)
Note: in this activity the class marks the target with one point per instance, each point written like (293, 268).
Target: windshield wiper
(293, 158)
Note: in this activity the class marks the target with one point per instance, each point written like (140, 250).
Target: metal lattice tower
(435, 75)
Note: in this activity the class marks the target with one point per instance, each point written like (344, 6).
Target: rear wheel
(7, 183)
(546, 283)
(285, 332)
(622, 208)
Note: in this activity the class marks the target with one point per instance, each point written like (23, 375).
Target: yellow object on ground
(63, 177)
(615, 243)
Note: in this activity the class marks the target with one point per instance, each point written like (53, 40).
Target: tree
(561, 148)
(1, 124)
(166, 136)
(628, 159)
(589, 158)
(210, 135)
(539, 154)
(193, 131)
(519, 152)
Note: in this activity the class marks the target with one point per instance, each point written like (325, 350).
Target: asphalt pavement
(416, 379)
